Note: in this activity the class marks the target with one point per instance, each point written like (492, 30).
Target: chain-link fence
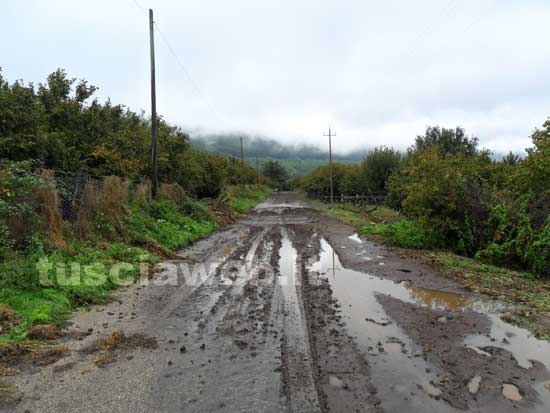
(70, 189)
(76, 190)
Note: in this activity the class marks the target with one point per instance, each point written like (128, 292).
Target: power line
(139, 6)
(448, 10)
(196, 89)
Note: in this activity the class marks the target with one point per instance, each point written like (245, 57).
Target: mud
(289, 310)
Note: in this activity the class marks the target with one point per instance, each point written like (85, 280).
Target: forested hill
(229, 144)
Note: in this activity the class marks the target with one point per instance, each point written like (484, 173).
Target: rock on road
(288, 310)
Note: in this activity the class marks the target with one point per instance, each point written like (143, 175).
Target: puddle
(390, 351)
(372, 330)
(438, 299)
(390, 347)
(302, 392)
(518, 341)
(355, 237)
(473, 385)
(543, 390)
(329, 264)
(287, 264)
(511, 392)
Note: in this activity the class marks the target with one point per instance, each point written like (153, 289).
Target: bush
(19, 221)
(378, 166)
(165, 223)
(497, 211)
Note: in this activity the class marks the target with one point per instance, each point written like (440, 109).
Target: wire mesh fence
(70, 189)
(75, 191)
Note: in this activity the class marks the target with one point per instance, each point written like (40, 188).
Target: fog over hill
(262, 147)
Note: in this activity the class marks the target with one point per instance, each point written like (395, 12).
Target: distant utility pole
(154, 155)
(258, 170)
(330, 135)
(242, 151)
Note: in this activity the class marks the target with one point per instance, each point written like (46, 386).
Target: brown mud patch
(20, 356)
(107, 349)
(45, 332)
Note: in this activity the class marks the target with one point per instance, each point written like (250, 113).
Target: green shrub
(165, 223)
(378, 166)
(19, 221)
(537, 253)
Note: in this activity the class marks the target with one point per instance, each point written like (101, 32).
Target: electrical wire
(196, 89)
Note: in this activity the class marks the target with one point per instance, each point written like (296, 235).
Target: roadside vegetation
(76, 216)
(49, 267)
(484, 221)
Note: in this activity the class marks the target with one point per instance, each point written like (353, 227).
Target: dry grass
(172, 192)
(107, 202)
(9, 318)
(44, 332)
(48, 201)
(115, 200)
(142, 192)
(14, 354)
(118, 341)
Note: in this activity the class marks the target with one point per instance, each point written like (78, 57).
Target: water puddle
(287, 265)
(302, 392)
(391, 352)
(394, 353)
(355, 237)
(518, 341)
(473, 385)
(511, 392)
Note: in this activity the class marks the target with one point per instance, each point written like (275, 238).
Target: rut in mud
(288, 310)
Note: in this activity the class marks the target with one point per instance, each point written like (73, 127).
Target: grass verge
(245, 197)
(44, 285)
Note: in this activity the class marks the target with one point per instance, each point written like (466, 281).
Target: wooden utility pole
(154, 155)
(258, 170)
(330, 135)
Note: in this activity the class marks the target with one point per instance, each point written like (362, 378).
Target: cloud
(378, 72)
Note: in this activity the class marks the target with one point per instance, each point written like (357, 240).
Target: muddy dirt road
(288, 310)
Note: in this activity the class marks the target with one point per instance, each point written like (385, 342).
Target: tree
(378, 166)
(64, 128)
(511, 159)
(535, 169)
(450, 141)
(275, 171)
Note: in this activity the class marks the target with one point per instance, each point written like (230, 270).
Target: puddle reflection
(371, 327)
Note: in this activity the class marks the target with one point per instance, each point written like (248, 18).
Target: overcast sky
(378, 71)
